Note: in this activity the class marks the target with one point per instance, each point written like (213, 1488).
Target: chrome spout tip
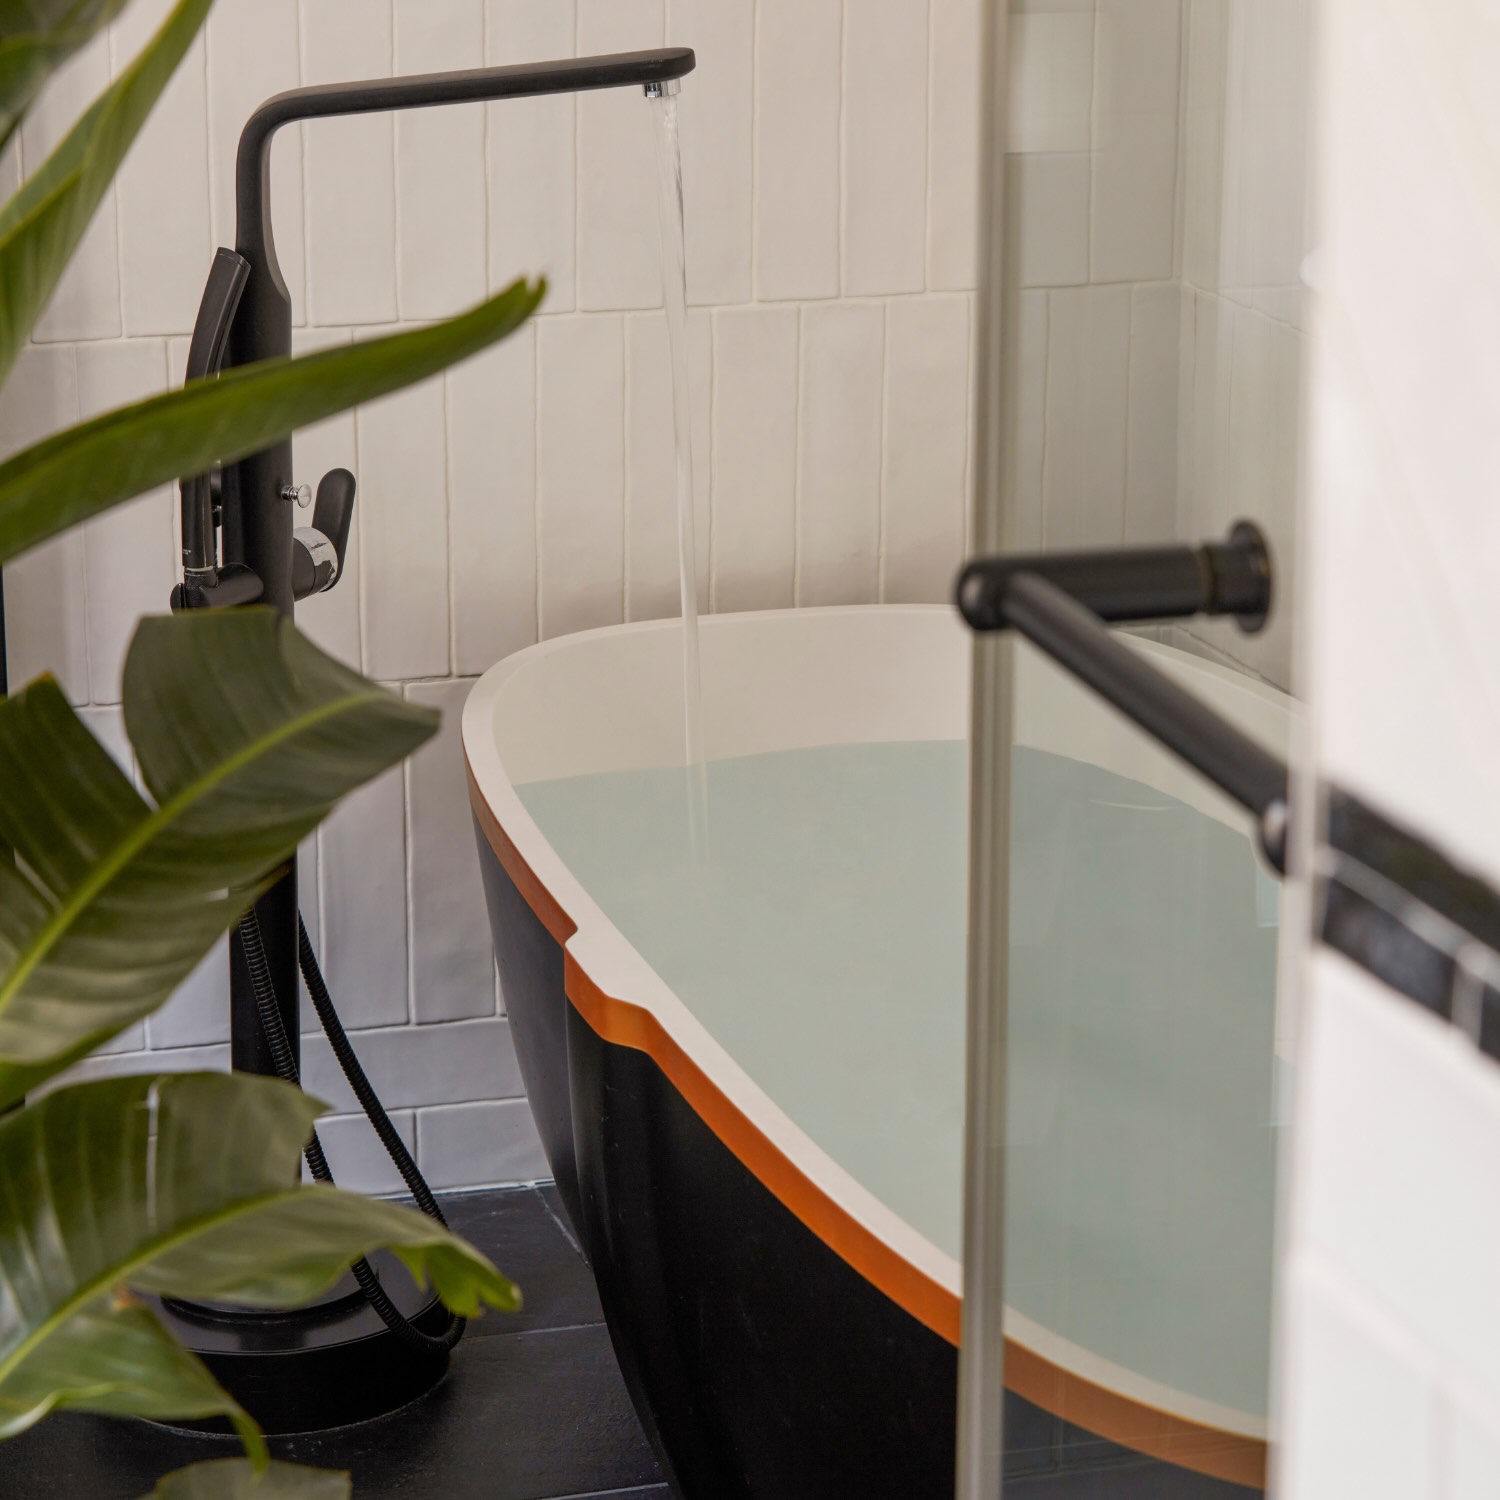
(666, 89)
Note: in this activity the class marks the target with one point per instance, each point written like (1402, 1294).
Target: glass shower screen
(1140, 375)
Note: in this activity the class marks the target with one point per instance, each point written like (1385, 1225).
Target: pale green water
(822, 943)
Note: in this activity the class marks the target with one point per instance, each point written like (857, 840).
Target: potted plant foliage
(186, 1184)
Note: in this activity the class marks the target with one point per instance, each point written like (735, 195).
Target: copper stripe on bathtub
(560, 926)
(1109, 1414)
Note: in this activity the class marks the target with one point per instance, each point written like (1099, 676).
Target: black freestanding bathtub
(785, 1331)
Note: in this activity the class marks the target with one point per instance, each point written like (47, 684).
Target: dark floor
(532, 1409)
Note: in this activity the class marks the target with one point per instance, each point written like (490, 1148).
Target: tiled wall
(1391, 1317)
(1093, 194)
(1242, 342)
(1158, 186)
(830, 164)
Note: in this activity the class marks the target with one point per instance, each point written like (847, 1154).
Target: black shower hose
(286, 1068)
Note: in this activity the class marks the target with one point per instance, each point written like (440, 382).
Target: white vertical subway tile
(1051, 80)
(356, 1156)
(45, 625)
(492, 502)
(701, 416)
(655, 590)
(165, 234)
(487, 1142)
(885, 148)
(1266, 132)
(838, 471)
(178, 348)
(580, 472)
(403, 536)
(254, 52)
(331, 619)
(129, 553)
(86, 302)
(1134, 197)
(1026, 453)
(350, 169)
(1151, 470)
(716, 109)
(441, 211)
(619, 261)
(797, 112)
(452, 961)
(1137, 62)
(1088, 377)
(1049, 204)
(1208, 504)
(197, 1015)
(755, 457)
(45, 588)
(923, 492)
(1137, 58)
(1203, 141)
(531, 154)
(953, 126)
(1262, 477)
(362, 869)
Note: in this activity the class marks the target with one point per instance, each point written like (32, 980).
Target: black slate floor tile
(534, 1409)
(520, 1231)
(529, 1416)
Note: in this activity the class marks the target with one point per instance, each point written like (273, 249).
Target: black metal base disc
(329, 1364)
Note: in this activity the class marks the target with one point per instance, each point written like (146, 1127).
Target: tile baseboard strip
(1402, 910)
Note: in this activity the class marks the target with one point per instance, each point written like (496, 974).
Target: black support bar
(1232, 577)
(1060, 602)
(1386, 898)
(1076, 640)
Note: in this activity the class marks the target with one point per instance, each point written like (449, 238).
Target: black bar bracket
(1134, 584)
(1061, 603)
(1384, 897)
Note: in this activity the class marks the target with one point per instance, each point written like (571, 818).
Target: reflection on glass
(1154, 341)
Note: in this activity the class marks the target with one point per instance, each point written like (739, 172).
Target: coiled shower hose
(317, 1163)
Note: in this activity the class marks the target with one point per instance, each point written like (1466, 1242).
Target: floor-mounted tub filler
(738, 1006)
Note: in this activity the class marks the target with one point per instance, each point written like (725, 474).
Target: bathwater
(674, 298)
(821, 942)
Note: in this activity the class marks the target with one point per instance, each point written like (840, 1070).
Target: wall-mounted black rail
(1060, 603)
(1384, 897)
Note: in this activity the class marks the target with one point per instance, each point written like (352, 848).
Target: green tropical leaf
(42, 224)
(36, 38)
(184, 1184)
(116, 1358)
(78, 473)
(235, 1479)
(246, 735)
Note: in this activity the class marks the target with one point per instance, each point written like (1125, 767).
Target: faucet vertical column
(258, 525)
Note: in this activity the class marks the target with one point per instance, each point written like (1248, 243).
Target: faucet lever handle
(333, 511)
(319, 550)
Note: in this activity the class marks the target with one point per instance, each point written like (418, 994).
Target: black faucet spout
(649, 70)
(247, 315)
